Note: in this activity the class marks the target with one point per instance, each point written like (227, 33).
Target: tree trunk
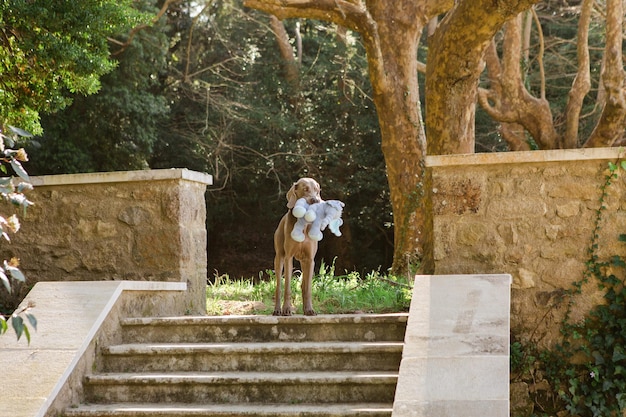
(454, 65)
(509, 102)
(610, 128)
(394, 81)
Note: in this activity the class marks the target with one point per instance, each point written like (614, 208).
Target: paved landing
(68, 315)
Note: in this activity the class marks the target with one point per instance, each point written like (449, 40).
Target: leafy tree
(116, 128)
(53, 49)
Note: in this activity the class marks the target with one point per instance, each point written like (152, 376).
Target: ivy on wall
(586, 371)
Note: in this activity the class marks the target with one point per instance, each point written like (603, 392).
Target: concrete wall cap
(123, 176)
(493, 158)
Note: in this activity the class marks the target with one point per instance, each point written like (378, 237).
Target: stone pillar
(136, 225)
(455, 361)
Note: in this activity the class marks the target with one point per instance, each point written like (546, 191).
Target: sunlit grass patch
(332, 294)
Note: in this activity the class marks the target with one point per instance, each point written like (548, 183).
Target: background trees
(257, 102)
(51, 50)
(222, 104)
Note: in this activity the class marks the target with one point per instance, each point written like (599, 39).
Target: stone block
(456, 356)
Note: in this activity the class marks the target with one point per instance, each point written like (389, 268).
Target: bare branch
(133, 32)
(290, 65)
(190, 38)
(542, 71)
(508, 101)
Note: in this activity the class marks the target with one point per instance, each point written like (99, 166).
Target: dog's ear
(292, 197)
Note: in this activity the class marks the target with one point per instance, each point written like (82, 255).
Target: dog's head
(306, 188)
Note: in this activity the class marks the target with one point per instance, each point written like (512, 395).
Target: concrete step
(332, 327)
(241, 387)
(263, 357)
(233, 410)
(325, 366)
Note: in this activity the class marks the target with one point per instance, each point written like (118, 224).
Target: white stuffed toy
(319, 216)
(301, 209)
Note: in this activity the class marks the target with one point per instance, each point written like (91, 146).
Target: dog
(287, 249)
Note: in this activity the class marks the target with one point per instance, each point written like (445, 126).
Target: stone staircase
(328, 365)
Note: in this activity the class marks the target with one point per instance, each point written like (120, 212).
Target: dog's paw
(310, 312)
(277, 312)
(287, 311)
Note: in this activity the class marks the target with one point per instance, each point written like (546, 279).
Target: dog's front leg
(287, 311)
(308, 267)
(278, 270)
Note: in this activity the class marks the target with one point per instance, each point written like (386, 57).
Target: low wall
(531, 215)
(136, 225)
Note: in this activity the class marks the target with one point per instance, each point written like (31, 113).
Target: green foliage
(332, 294)
(597, 385)
(13, 194)
(116, 128)
(52, 49)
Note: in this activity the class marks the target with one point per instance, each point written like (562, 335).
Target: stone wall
(531, 215)
(138, 225)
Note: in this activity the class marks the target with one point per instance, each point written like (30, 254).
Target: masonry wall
(137, 225)
(531, 215)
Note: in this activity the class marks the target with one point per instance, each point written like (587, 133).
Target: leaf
(623, 164)
(618, 354)
(20, 132)
(9, 142)
(27, 334)
(19, 170)
(616, 260)
(3, 325)
(598, 357)
(32, 320)
(15, 273)
(18, 325)
(5, 281)
(24, 186)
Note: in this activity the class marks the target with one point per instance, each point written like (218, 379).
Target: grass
(351, 293)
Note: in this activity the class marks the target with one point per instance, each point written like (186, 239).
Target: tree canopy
(51, 50)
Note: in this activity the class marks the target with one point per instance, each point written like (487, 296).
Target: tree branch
(508, 101)
(137, 29)
(349, 13)
(290, 65)
(582, 81)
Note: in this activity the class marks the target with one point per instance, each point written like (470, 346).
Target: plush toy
(301, 209)
(324, 214)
